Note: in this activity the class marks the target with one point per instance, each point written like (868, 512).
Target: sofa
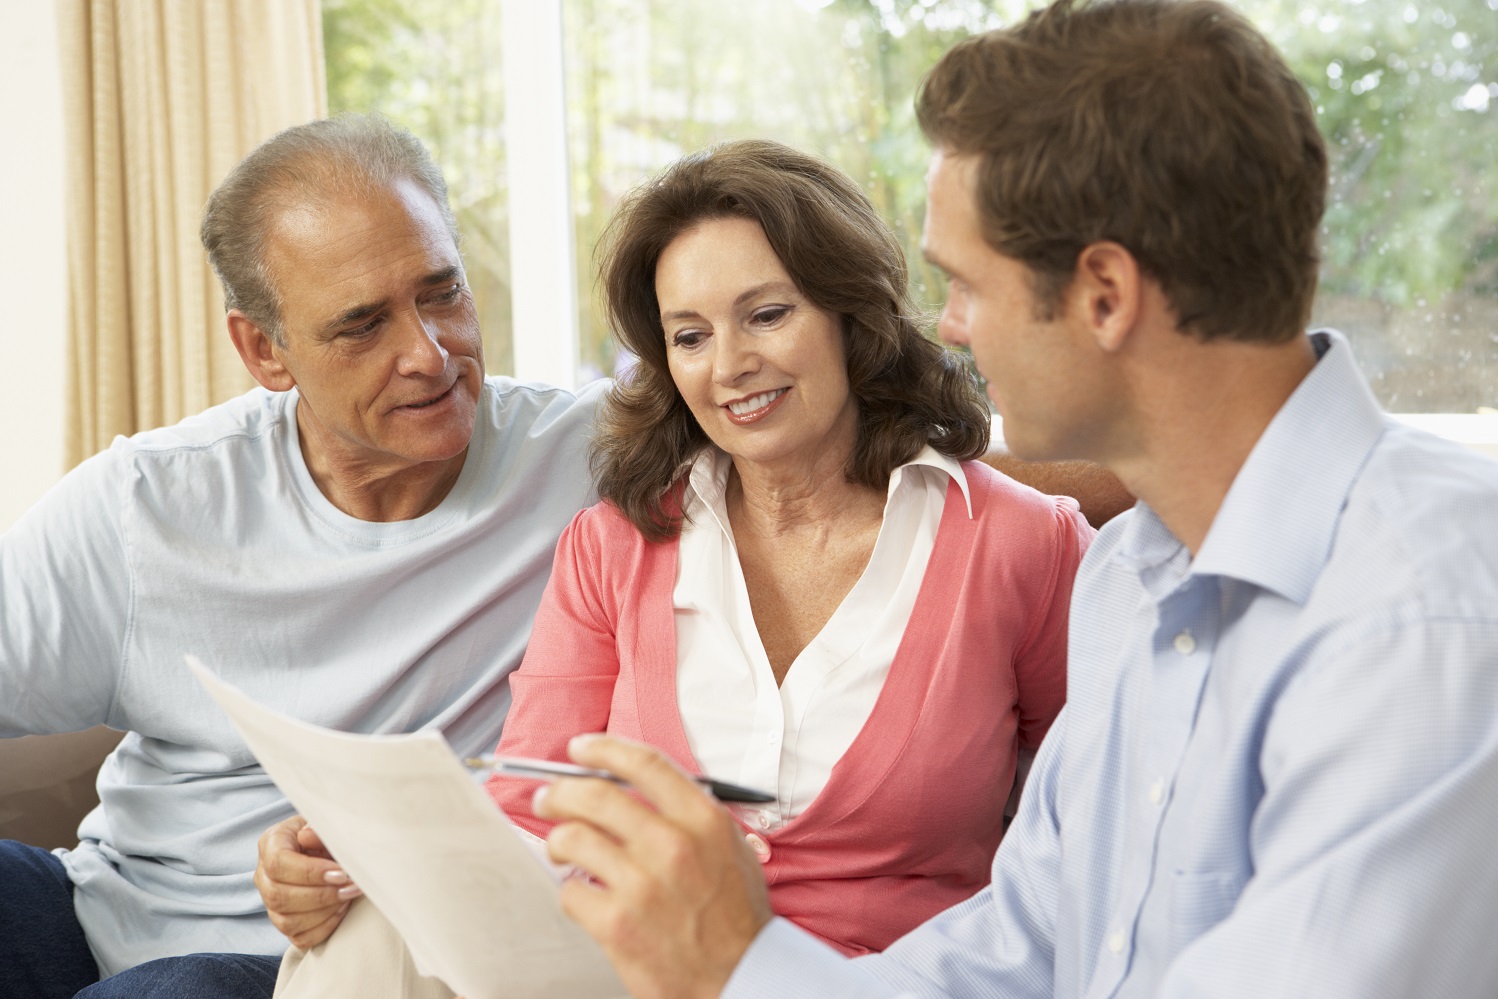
(47, 784)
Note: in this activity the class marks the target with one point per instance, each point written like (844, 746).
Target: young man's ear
(1106, 289)
(259, 353)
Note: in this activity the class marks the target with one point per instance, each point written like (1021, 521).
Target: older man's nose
(422, 352)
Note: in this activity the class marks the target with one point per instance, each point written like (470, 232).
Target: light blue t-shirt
(1276, 773)
(210, 537)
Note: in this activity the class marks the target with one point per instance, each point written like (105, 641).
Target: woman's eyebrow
(740, 299)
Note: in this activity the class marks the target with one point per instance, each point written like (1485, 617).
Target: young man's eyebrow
(931, 257)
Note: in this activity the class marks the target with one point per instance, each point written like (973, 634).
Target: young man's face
(1031, 364)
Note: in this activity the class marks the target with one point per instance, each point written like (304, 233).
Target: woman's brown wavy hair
(911, 391)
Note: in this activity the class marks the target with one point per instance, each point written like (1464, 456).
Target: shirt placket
(1181, 653)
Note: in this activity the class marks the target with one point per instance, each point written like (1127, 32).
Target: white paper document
(430, 849)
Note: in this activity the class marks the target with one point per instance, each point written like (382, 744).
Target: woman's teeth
(756, 402)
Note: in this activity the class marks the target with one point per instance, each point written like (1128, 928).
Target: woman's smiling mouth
(755, 407)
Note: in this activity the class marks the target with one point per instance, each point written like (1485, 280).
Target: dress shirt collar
(707, 478)
(1277, 523)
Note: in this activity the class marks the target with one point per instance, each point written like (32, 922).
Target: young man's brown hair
(1172, 128)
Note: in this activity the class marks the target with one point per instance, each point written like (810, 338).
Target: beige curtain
(161, 98)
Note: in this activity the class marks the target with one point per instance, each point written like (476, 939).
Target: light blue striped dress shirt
(1277, 770)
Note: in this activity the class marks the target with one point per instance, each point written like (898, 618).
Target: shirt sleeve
(65, 603)
(1372, 847)
(1040, 668)
(1000, 942)
(565, 684)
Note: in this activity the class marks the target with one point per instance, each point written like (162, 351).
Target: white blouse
(741, 726)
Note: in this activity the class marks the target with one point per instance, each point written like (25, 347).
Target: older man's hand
(676, 896)
(305, 891)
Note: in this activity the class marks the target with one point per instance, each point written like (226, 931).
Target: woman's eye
(688, 338)
(772, 315)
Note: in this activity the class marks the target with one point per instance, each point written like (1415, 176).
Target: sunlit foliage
(1406, 93)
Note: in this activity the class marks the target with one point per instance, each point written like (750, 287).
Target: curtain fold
(161, 99)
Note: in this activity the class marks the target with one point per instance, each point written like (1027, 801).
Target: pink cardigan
(911, 815)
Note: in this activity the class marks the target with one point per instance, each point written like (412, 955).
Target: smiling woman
(795, 566)
(724, 249)
(759, 365)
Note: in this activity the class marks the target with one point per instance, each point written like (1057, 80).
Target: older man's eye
(359, 332)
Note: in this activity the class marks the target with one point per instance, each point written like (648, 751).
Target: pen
(519, 766)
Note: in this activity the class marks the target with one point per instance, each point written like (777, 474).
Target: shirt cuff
(785, 960)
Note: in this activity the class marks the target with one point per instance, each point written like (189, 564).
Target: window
(433, 66)
(1406, 94)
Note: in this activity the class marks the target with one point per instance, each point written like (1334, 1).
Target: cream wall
(33, 264)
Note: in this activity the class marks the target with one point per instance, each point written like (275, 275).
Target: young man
(1277, 771)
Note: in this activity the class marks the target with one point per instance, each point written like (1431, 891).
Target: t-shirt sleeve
(1040, 668)
(565, 684)
(65, 600)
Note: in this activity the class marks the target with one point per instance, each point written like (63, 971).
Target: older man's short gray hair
(352, 153)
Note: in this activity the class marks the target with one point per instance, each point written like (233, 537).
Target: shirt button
(1185, 644)
(764, 820)
(1157, 791)
(759, 846)
(1116, 941)
(772, 738)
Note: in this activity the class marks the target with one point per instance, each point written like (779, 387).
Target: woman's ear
(259, 353)
(1107, 291)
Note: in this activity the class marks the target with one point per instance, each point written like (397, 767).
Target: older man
(1277, 770)
(361, 543)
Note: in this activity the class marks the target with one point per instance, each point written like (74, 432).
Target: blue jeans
(44, 955)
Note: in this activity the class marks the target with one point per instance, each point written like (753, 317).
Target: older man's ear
(261, 356)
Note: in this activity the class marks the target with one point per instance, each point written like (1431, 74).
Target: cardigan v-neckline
(878, 745)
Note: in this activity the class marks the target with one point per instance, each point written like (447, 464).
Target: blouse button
(759, 846)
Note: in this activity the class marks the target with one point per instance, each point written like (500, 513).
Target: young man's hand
(676, 896)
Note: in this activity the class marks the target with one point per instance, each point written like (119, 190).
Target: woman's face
(760, 366)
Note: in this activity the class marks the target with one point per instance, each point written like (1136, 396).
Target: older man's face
(380, 332)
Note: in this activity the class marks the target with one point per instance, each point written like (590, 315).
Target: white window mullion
(543, 291)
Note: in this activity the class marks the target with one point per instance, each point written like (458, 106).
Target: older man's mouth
(439, 397)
